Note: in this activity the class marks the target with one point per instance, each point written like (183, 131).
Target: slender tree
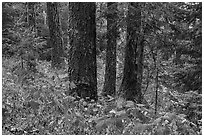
(110, 72)
(44, 17)
(31, 14)
(31, 21)
(55, 33)
(131, 82)
(82, 56)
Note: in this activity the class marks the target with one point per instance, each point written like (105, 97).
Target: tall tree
(55, 33)
(140, 48)
(82, 56)
(130, 86)
(110, 72)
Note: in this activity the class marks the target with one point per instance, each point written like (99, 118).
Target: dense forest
(102, 68)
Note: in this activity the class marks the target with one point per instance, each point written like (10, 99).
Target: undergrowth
(36, 104)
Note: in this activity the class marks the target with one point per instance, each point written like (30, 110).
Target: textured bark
(110, 72)
(140, 62)
(82, 55)
(131, 85)
(140, 52)
(55, 34)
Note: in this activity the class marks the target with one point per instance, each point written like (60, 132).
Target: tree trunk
(31, 14)
(110, 72)
(82, 54)
(140, 62)
(44, 17)
(140, 52)
(132, 66)
(55, 34)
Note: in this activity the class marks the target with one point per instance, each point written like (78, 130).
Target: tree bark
(82, 54)
(131, 83)
(110, 72)
(55, 34)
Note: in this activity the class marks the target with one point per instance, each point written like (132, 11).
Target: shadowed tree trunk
(131, 84)
(55, 34)
(140, 58)
(82, 54)
(110, 72)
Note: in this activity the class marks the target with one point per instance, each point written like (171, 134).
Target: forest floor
(36, 104)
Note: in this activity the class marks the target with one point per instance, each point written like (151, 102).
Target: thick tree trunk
(110, 72)
(55, 34)
(131, 86)
(82, 55)
(140, 52)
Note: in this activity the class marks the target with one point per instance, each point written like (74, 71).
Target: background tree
(82, 55)
(188, 46)
(31, 14)
(55, 34)
(9, 15)
(178, 59)
(112, 33)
